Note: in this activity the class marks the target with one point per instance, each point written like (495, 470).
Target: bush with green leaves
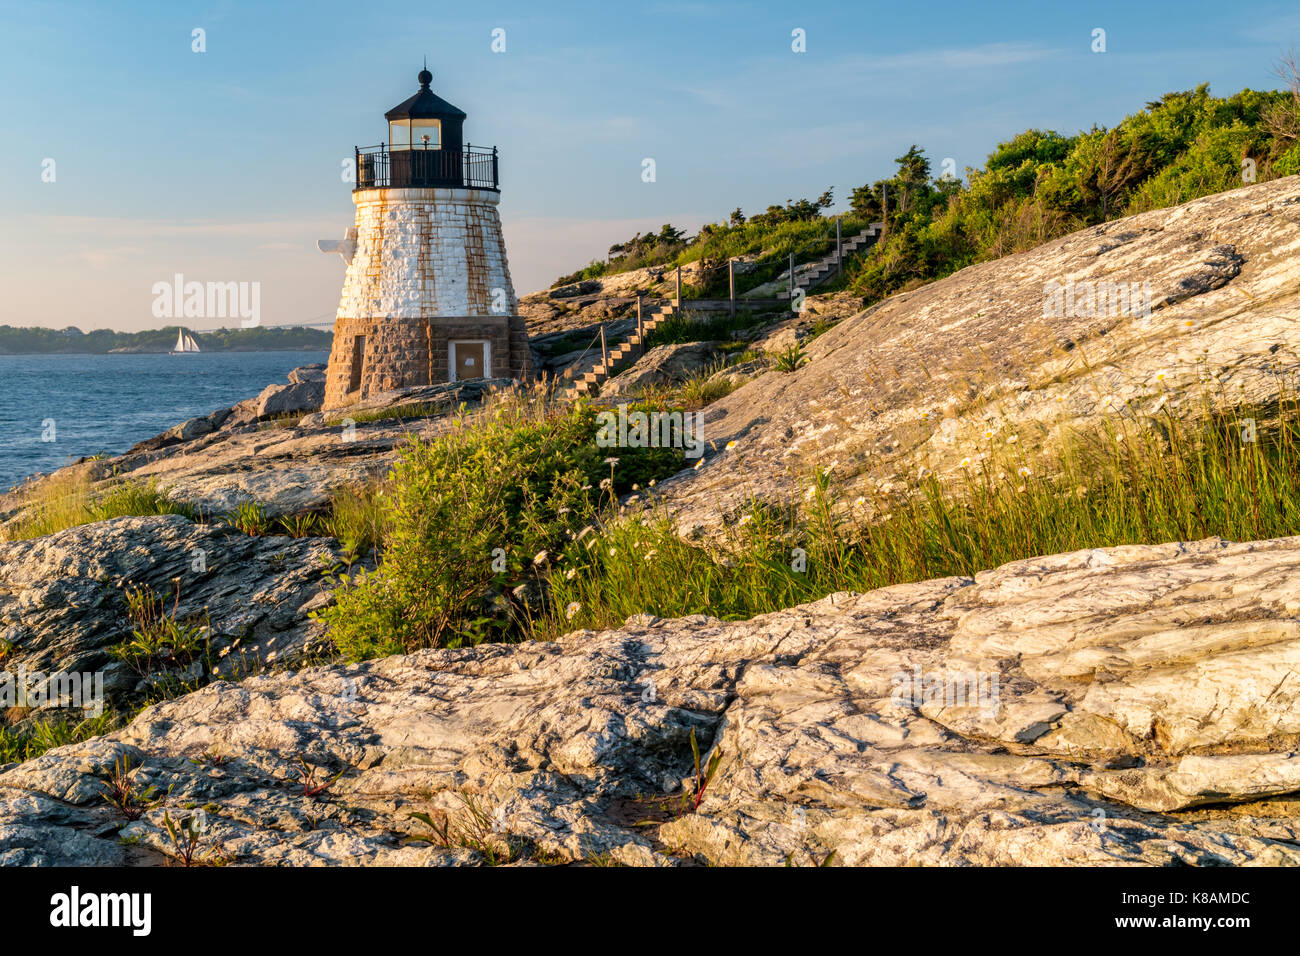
(1041, 185)
(463, 518)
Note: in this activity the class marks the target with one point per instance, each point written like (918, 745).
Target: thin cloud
(126, 228)
(983, 57)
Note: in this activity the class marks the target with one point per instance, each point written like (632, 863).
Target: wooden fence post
(839, 250)
(640, 324)
(731, 283)
(604, 350)
(792, 276)
(679, 287)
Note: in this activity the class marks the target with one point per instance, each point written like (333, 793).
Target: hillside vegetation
(1035, 187)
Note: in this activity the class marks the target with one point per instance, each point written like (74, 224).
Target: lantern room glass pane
(399, 134)
(430, 128)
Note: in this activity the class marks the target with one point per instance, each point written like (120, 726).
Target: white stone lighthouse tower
(427, 297)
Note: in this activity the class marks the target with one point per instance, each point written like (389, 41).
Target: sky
(226, 165)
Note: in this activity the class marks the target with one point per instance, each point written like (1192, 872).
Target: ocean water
(106, 403)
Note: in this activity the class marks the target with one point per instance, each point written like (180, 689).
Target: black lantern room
(426, 148)
(425, 121)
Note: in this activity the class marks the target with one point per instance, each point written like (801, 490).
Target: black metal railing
(381, 167)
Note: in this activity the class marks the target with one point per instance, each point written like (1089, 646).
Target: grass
(400, 413)
(33, 737)
(300, 526)
(159, 637)
(250, 517)
(68, 501)
(1120, 487)
(355, 519)
(694, 393)
(789, 359)
(283, 420)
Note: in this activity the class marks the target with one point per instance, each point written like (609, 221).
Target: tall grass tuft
(1122, 486)
(63, 502)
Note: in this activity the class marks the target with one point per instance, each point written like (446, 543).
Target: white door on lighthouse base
(470, 359)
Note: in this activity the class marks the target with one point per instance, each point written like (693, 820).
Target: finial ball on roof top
(425, 78)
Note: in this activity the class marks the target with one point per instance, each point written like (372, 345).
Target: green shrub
(461, 517)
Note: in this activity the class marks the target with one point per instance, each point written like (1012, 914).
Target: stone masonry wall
(423, 255)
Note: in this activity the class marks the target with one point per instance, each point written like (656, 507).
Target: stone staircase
(820, 271)
(587, 381)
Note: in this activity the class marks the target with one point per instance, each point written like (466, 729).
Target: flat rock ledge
(1133, 705)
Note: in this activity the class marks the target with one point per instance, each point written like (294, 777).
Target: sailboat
(184, 343)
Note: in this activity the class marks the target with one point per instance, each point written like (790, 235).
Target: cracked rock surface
(1132, 705)
(63, 603)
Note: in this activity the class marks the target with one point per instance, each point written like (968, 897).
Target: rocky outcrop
(186, 431)
(1133, 705)
(63, 604)
(289, 468)
(304, 393)
(915, 381)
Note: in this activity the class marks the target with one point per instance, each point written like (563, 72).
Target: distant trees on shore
(40, 341)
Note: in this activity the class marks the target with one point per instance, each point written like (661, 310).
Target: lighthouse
(427, 297)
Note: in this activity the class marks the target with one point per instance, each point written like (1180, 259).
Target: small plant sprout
(186, 837)
(703, 776)
(250, 517)
(473, 829)
(313, 783)
(789, 359)
(120, 790)
(299, 526)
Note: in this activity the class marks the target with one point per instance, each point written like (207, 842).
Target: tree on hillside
(865, 202)
(1283, 118)
(801, 210)
(912, 179)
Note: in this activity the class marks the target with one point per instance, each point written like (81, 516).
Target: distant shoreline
(215, 351)
(73, 341)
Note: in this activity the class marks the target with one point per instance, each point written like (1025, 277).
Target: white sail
(180, 341)
(191, 345)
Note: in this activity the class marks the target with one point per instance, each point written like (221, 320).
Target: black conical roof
(425, 104)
